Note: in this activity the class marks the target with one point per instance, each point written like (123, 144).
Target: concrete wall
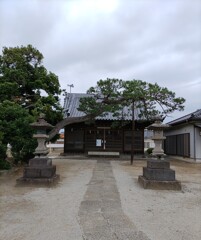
(55, 148)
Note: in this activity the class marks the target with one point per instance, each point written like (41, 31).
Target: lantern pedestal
(158, 175)
(40, 170)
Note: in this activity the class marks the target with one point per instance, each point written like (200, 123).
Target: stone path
(100, 215)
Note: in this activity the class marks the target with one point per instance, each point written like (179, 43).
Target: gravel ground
(30, 213)
(162, 214)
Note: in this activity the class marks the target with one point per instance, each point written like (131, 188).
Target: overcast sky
(83, 41)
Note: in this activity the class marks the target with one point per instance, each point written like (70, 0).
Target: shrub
(4, 165)
(149, 151)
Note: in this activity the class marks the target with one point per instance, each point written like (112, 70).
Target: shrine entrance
(102, 137)
(85, 137)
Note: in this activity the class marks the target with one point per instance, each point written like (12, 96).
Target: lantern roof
(41, 123)
(158, 124)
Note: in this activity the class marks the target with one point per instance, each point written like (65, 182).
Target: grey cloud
(24, 23)
(152, 40)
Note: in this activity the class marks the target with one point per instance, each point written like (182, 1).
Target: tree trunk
(65, 122)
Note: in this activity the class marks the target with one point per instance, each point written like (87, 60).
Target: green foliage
(24, 80)
(26, 90)
(15, 125)
(4, 165)
(112, 95)
(2, 151)
(149, 151)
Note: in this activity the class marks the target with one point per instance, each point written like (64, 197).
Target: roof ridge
(186, 117)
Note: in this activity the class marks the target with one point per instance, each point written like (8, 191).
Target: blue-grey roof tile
(72, 101)
(194, 116)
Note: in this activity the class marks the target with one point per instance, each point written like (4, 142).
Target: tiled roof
(194, 116)
(71, 103)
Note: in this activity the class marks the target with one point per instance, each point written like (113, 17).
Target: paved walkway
(101, 216)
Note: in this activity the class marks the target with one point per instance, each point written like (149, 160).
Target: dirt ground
(162, 214)
(38, 212)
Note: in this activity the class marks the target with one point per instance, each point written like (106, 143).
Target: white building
(183, 138)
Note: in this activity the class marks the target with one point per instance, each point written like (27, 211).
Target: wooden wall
(101, 136)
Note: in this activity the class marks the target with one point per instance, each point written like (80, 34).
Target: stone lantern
(157, 174)
(41, 127)
(40, 168)
(158, 127)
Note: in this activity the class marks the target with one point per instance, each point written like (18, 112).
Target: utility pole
(71, 86)
(133, 129)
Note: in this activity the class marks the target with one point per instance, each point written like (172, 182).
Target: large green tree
(112, 95)
(27, 85)
(25, 81)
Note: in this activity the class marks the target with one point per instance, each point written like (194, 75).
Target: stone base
(40, 170)
(52, 180)
(158, 170)
(159, 185)
(159, 174)
(40, 161)
(158, 164)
